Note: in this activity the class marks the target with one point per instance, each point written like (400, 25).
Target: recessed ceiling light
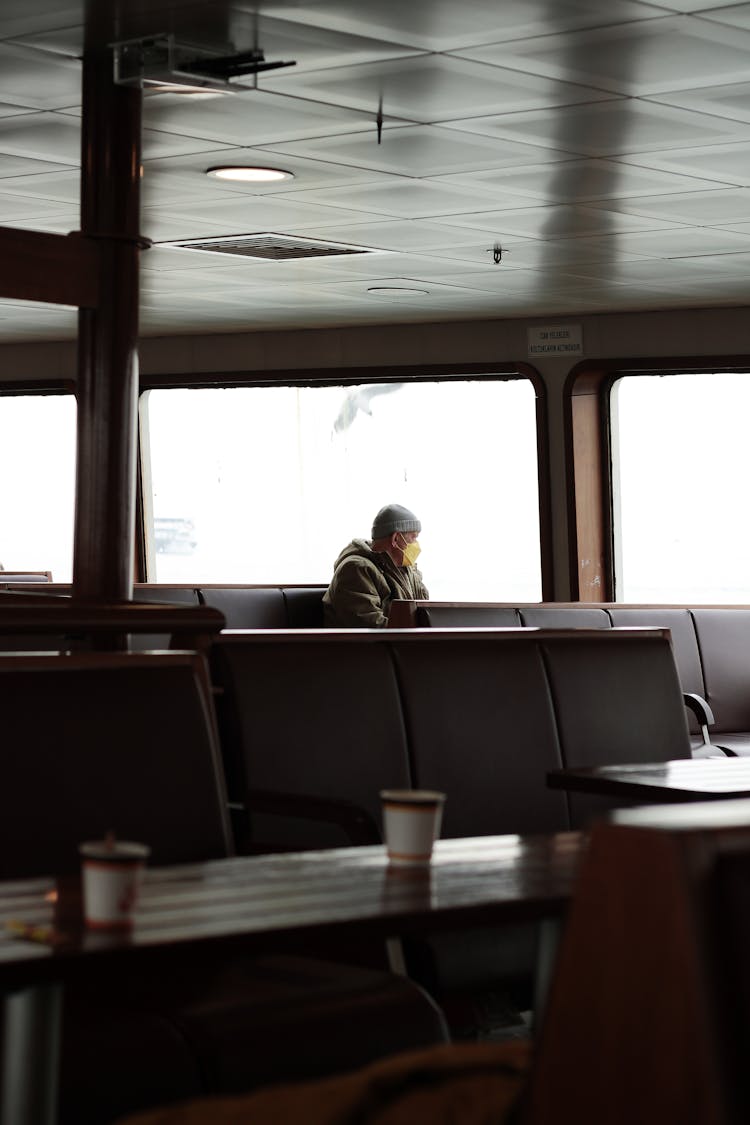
(248, 174)
(398, 290)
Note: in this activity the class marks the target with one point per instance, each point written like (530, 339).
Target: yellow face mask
(410, 553)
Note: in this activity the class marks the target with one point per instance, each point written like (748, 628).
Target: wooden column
(107, 390)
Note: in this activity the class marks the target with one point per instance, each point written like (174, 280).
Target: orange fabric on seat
(474, 1083)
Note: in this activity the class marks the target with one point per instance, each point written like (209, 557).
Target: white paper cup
(110, 877)
(411, 823)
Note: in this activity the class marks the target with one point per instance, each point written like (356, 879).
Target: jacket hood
(358, 547)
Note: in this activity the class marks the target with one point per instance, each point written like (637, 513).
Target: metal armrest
(700, 708)
(355, 822)
(705, 716)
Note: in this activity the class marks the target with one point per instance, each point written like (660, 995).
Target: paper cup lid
(116, 851)
(412, 796)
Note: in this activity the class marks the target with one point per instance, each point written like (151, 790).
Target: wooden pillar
(107, 388)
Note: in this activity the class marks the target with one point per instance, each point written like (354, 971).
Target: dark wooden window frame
(589, 460)
(352, 377)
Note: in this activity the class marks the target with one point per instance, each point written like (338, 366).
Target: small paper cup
(111, 874)
(411, 824)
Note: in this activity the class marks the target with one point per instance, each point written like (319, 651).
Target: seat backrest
(724, 640)
(304, 606)
(458, 616)
(34, 576)
(616, 703)
(168, 595)
(684, 642)
(247, 607)
(482, 729)
(97, 742)
(648, 1016)
(309, 715)
(548, 617)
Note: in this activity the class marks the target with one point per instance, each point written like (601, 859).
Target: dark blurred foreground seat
(127, 742)
(648, 1018)
(463, 1084)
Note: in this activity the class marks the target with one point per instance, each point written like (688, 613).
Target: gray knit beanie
(393, 517)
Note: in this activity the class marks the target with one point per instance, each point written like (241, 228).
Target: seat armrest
(705, 716)
(356, 823)
(700, 708)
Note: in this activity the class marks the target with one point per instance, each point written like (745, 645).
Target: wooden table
(688, 779)
(253, 904)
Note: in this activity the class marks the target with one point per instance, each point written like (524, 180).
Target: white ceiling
(604, 146)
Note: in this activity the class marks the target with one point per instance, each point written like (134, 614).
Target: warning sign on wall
(556, 339)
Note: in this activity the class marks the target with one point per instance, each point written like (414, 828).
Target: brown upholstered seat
(308, 716)
(108, 741)
(724, 640)
(617, 708)
(648, 1018)
(127, 741)
(247, 607)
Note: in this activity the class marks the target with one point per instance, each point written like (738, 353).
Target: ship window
(37, 470)
(266, 484)
(680, 471)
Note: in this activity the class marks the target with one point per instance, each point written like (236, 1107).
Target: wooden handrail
(191, 626)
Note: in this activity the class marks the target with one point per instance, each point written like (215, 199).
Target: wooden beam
(56, 268)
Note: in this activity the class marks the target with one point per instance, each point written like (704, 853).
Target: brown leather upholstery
(179, 595)
(618, 704)
(127, 741)
(684, 644)
(97, 742)
(450, 617)
(340, 714)
(724, 639)
(302, 715)
(548, 617)
(482, 729)
(246, 608)
(648, 1017)
(304, 606)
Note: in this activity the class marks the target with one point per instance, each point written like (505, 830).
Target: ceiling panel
(603, 147)
(581, 180)
(609, 128)
(704, 208)
(430, 88)
(418, 150)
(727, 163)
(564, 221)
(185, 177)
(733, 15)
(635, 59)
(53, 137)
(250, 118)
(405, 199)
(34, 80)
(731, 101)
(442, 25)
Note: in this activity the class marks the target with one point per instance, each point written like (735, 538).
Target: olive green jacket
(364, 584)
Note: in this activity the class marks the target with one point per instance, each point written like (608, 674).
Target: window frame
(588, 458)
(352, 377)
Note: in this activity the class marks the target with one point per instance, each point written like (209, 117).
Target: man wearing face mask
(369, 574)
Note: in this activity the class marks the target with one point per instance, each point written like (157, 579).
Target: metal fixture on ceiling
(160, 61)
(273, 247)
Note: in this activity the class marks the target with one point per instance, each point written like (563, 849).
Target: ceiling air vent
(271, 247)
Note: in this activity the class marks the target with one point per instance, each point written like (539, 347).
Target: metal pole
(31, 1056)
(107, 386)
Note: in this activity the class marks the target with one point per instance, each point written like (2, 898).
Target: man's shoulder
(356, 561)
